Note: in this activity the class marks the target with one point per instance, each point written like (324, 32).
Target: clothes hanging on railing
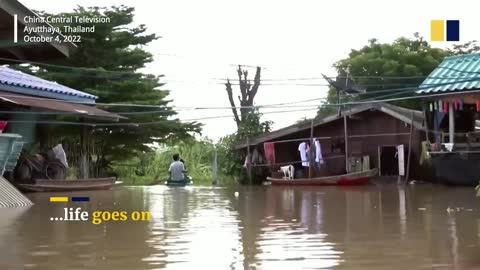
(303, 148)
(269, 150)
(318, 152)
(442, 106)
(256, 157)
(3, 125)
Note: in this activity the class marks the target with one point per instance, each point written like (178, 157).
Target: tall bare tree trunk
(247, 94)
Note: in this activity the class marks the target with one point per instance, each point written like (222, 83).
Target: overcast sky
(290, 39)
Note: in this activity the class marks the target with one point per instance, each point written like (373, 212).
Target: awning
(58, 105)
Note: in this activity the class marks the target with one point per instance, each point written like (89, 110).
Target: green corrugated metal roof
(455, 73)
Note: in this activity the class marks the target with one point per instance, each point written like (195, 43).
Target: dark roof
(32, 85)
(28, 51)
(399, 113)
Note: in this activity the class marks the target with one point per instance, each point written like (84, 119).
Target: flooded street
(372, 227)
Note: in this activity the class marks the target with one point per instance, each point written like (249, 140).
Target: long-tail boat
(44, 185)
(357, 178)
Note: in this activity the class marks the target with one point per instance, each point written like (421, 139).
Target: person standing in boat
(177, 169)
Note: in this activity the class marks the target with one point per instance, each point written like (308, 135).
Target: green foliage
(405, 57)
(253, 126)
(466, 48)
(119, 46)
(332, 98)
(153, 167)
(413, 58)
(250, 127)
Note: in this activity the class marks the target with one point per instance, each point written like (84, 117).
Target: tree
(106, 63)
(466, 48)
(379, 66)
(247, 91)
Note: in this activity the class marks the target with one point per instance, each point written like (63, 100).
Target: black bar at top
(80, 199)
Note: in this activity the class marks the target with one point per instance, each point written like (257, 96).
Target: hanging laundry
(461, 105)
(478, 105)
(435, 106)
(247, 161)
(318, 152)
(269, 150)
(312, 151)
(430, 106)
(256, 158)
(455, 105)
(303, 149)
(440, 106)
(3, 125)
(445, 107)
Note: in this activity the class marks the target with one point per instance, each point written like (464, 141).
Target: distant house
(374, 130)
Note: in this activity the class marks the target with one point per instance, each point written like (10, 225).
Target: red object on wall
(269, 149)
(3, 125)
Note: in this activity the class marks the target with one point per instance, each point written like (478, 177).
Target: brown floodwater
(371, 227)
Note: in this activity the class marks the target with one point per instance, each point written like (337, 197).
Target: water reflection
(373, 227)
(196, 229)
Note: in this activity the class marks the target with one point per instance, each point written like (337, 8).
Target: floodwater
(371, 227)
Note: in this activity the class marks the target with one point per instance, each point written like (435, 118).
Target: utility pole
(214, 166)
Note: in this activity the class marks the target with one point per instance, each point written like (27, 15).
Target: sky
(202, 41)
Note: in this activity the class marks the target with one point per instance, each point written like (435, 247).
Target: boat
(180, 183)
(43, 185)
(357, 178)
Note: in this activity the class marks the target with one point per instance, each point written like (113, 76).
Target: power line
(241, 107)
(266, 79)
(230, 116)
(142, 123)
(156, 106)
(63, 67)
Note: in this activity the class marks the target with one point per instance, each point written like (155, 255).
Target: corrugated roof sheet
(400, 113)
(11, 77)
(455, 73)
(59, 105)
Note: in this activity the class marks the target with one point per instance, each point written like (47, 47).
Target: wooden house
(376, 133)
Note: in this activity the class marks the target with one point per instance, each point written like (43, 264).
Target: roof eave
(306, 125)
(13, 7)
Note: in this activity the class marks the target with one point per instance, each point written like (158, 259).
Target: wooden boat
(358, 178)
(42, 185)
(181, 183)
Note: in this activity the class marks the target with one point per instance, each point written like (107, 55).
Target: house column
(84, 165)
(451, 123)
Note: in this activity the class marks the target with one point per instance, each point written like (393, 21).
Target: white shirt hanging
(303, 149)
(318, 152)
